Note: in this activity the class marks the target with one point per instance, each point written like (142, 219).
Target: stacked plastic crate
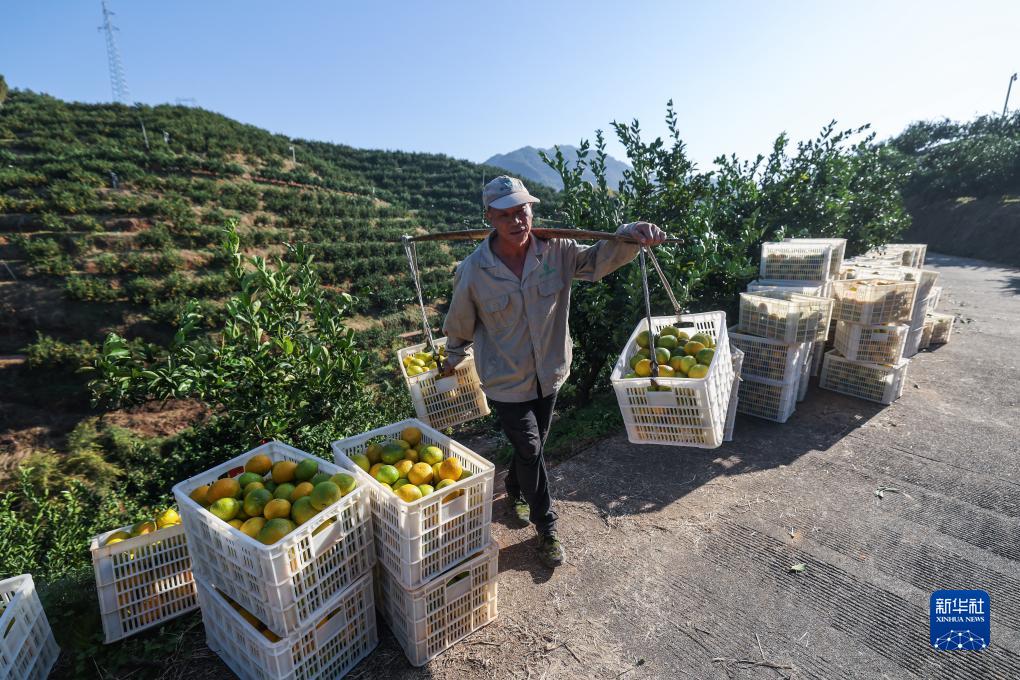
(782, 317)
(436, 576)
(872, 309)
(300, 607)
(926, 280)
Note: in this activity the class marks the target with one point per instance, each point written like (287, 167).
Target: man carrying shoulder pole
(511, 300)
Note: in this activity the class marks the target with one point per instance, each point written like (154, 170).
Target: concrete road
(679, 558)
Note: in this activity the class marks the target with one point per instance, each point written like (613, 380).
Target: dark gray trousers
(526, 424)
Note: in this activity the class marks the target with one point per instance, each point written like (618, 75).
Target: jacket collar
(536, 248)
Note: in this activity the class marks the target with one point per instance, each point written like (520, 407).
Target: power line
(118, 82)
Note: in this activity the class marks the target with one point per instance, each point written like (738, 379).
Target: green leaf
(797, 568)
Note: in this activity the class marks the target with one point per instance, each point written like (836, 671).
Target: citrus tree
(283, 365)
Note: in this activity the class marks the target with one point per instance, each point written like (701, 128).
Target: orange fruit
(300, 491)
(450, 469)
(283, 471)
(420, 473)
(198, 494)
(223, 488)
(276, 508)
(260, 464)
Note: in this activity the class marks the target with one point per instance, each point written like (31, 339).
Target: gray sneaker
(550, 550)
(519, 511)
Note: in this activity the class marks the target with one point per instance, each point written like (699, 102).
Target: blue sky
(471, 79)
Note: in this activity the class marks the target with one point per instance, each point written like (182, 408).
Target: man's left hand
(647, 234)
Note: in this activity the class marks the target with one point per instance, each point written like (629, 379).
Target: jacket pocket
(497, 312)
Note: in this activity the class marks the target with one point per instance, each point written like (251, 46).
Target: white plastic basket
(768, 399)
(328, 647)
(817, 353)
(286, 583)
(804, 378)
(689, 412)
(929, 325)
(909, 254)
(445, 402)
(418, 541)
(788, 318)
(838, 250)
(934, 298)
(27, 647)
(432, 618)
(731, 410)
(912, 345)
(942, 328)
(142, 581)
(881, 344)
(873, 382)
(795, 261)
(813, 288)
(767, 357)
(873, 301)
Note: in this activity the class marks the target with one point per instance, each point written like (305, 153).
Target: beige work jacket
(519, 326)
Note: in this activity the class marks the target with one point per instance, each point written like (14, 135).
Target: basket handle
(411, 250)
(337, 622)
(456, 589)
(325, 539)
(453, 509)
(448, 384)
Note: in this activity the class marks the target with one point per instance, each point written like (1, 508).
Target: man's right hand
(448, 370)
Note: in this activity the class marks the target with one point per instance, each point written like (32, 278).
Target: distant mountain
(525, 163)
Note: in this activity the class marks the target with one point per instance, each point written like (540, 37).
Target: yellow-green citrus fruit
(302, 510)
(226, 508)
(643, 368)
(167, 518)
(704, 339)
(392, 452)
(362, 461)
(284, 491)
(642, 339)
(324, 495)
(705, 356)
(403, 467)
(411, 435)
(409, 493)
(431, 455)
(666, 371)
(450, 469)
(387, 474)
(275, 529)
(411, 455)
(374, 453)
(278, 507)
(667, 342)
(260, 464)
(444, 483)
(698, 371)
(324, 476)
(246, 478)
(223, 488)
(283, 471)
(661, 355)
(399, 483)
(306, 469)
(344, 482)
(300, 491)
(425, 489)
(251, 487)
(420, 473)
(198, 494)
(693, 347)
(669, 330)
(253, 526)
(117, 537)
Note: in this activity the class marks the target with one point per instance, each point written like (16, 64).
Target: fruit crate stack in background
(282, 554)
(875, 303)
(436, 577)
(783, 323)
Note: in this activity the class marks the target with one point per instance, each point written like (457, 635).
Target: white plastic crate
(434, 617)
(142, 581)
(934, 298)
(838, 250)
(804, 379)
(418, 541)
(768, 399)
(795, 261)
(942, 328)
(27, 647)
(880, 344)
(873, 301)
(912, 345)
(683, 411)
(813, 288)
(445, 402)
(790, 318)
(817, 353)
(929, 324)
(767, 357)
(909, 254)
(873, 382)
(328, 647)
(286, 583)
(731, 410)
